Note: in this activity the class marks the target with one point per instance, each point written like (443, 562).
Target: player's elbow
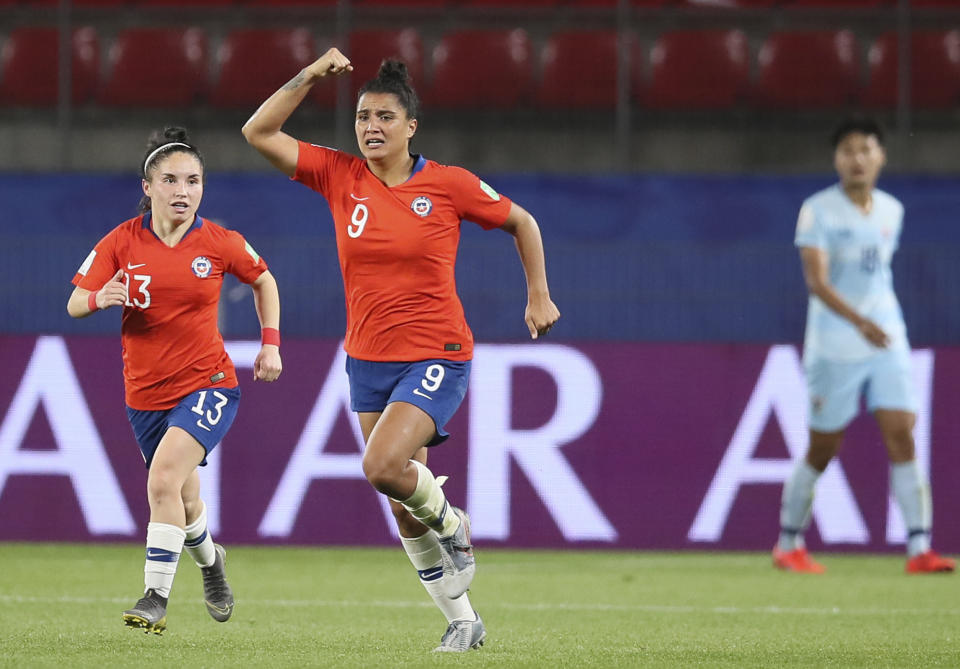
(249, 132)
(816, 286)
(74, 309)
(253, 132)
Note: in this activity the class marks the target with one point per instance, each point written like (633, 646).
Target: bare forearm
(831, 298)
(530, 248)
(77, 304)
(266, 298)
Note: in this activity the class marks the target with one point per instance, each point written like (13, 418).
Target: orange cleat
(930, 563)
(797, 560)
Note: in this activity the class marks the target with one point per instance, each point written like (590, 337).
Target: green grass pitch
(60, 606)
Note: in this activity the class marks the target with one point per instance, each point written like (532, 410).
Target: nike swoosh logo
(225, 609)
(358, 199)
(153, 554)
(129, 266)
(417, 391)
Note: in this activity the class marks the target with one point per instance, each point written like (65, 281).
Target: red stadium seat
(76, 3)
(729, 4)
(839, 4)
(255, 62)
(613, 3)
(400, 3)
(29, 66)
(368, 48)
(934, 70)
(525, 4)
(579, 70)
(700, 69)
(481, 69)
(156, 67)
(289, 3)
(183, 3)
(808, 69)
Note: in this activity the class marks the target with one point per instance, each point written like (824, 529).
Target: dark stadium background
(664, 146)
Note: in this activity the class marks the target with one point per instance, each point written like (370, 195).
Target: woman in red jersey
(164, 268)
(398, 219)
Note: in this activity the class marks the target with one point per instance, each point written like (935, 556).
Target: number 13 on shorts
(212, 415)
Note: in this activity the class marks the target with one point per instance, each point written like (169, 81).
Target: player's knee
(821, 452)
(379, 472)
(900, 445)
(162, 486)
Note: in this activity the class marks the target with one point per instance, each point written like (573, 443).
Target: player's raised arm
(263, 129)
(83, 302)
(816, 273)
(541, 313)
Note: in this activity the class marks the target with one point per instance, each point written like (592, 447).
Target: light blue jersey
(859, 247)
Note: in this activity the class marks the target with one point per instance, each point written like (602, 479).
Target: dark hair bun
(175, 134)
(394, 70)
(171, 133)
(394, 78)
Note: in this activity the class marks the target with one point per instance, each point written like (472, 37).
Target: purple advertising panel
(619, 445)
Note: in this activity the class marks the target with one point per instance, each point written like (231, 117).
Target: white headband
(158, 150)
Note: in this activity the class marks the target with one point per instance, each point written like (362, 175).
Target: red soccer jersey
(171, 344)
(397, 249)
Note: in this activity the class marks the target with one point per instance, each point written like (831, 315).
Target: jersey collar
(197, 224)
(419, 162)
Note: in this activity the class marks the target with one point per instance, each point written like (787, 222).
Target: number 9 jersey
(171, 344)
(397, 248)
(859, 248)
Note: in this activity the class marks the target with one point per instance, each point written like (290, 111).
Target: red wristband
(92, 301)
(270, 336)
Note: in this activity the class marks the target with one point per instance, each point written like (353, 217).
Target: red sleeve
(316, 166)
(240, 259)
(100, 265)
(476, 201)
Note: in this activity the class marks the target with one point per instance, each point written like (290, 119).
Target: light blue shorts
(835, 388)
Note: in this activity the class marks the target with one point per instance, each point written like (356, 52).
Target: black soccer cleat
(217, 594)
(148, 614)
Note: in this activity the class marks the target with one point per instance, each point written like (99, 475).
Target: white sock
(199, 542)
(164, 543)
(795, 505)
(429, 505)
(424, 553)
(912, 492)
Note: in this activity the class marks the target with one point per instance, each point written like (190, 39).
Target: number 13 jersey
(397, 248)
(171, 343)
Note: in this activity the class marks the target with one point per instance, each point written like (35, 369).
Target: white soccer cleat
(462, 635)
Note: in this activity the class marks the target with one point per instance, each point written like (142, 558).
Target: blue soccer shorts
(205, 414)
(835, 387)
(436, 386)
